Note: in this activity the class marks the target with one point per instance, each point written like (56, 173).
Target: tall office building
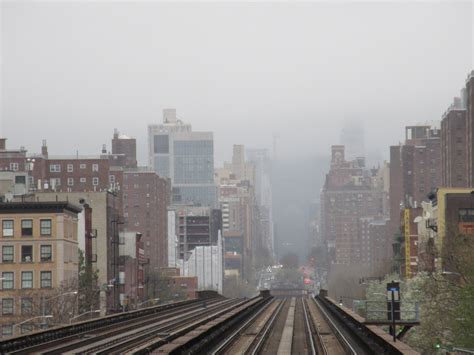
(453, 146)
(186, 157)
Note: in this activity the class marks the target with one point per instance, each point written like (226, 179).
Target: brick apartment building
(468, 98)
(146, 197)
(140, 202)
(61, 173)
(350, 201)
(415, 170)
(39, 261)
(106, 225)
(453, 146)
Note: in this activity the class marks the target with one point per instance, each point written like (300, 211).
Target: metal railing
(377, 310)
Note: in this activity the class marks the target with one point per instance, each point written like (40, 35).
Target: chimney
(44, 149)
(116, 133)
(3, 143)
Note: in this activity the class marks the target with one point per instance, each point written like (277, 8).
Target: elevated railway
(294, 323)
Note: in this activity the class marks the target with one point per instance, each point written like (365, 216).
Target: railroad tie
(286, 340)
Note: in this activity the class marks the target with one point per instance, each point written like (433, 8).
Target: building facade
(415, 170)
(453, 146)
(39, 246)
(351, 207)
(186, 157)
(146, 197)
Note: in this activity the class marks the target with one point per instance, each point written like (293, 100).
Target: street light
(54, 297)
(25, 321)
(57, 296)
(444, 272)
(80, 315)
(150, 300)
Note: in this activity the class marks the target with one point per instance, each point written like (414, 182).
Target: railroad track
(250, 337)
(72, 342)
(260, 325)
(326, 336)
(146, 339)
(283, 326)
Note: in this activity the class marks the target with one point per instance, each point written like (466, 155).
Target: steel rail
(336, 328)
(266, 332)
(80, 339)
(28, 343)
(124, 341)
(157, 342)
(230, 339)
(308, 328)
(321, 344)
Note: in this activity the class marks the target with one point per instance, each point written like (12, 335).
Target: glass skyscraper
(186, 157)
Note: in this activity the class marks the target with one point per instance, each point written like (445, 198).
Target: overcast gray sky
(72, 71)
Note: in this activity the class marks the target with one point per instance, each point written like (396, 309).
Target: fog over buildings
(258, 74)
(301, 70)
(272, 152)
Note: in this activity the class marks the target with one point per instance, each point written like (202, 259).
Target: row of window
(70, 181)
(8, 279)
(466, 214)
(7, 329)
(14, 166)
(56, 168)
(8, 306)
(8, 228)
(8, 253)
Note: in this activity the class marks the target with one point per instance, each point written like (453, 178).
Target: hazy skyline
(74, 71)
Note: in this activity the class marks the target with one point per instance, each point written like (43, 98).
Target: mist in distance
(244, 71)
(74, 71)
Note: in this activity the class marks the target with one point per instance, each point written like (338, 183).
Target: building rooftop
(44, 207)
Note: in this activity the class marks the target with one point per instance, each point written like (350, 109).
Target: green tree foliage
(88, 286)
(462, 274)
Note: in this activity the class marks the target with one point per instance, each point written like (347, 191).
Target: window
(7, 306)
(27, 279)
(466, 215)
(55, 168)
(26, 253)
(26, 306)
(55, 182)
(7, 225)
(7, 282)
(95, 181)
(46, 279)
(82, 166)
(45, 253)
(45, 227)
(20, 179)
(14, 166)
(27, 227)
(70, 168)
(70, 181)
(7, 253)
(83, 180)
(95, 167)
(7, 330)
(112, 179)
